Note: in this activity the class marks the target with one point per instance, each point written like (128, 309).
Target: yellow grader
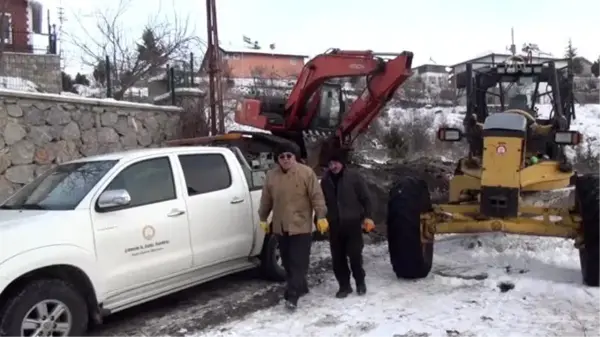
(512, 152)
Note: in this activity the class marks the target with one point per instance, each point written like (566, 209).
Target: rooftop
(262, 51)
(504, 54)
(423, 68)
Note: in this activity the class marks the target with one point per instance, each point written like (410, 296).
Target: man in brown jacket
(292, 191)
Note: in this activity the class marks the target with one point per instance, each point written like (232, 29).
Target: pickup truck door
(148, 239)
(219, 207)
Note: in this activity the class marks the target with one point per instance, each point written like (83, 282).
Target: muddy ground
(203, 306)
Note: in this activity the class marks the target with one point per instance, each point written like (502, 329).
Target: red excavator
(314, 115)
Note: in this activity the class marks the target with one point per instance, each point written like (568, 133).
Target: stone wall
(41, 130)
(41, 69)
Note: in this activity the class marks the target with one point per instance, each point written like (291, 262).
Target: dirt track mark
(204, 306)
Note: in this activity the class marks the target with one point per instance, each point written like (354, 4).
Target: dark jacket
(349, 202)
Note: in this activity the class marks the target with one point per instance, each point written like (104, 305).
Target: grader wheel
(410, 257)
(587, 202)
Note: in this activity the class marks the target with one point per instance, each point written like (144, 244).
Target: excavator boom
(274, 115)
(324, 67)
(309, 108)
(378, 92)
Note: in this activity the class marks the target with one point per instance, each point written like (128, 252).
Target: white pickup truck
(100, 234)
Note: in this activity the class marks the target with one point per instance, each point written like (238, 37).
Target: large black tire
(270, 260)
(410, 258)
(19, 305)
(587, 203)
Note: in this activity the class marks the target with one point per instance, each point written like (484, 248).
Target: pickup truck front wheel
(45, 308)
(271, 265)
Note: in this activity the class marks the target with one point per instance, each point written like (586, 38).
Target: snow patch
(177, 91)
(18, 84)
(548, 297)
(587, 120)
(85, 100)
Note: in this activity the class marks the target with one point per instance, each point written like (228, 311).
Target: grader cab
(511, 152)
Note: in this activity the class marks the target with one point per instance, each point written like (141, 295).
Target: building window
(293, 62)
(37, 12)
(7, 31)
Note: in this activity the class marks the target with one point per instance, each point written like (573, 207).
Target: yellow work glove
(265, 226)
(322, 225)
(368, 225)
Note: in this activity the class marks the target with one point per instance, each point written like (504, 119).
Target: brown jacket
(292, 196)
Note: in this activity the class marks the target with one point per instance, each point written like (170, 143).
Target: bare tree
(268, 82)
(132, 58)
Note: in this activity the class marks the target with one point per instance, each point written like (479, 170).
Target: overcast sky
(446, 31)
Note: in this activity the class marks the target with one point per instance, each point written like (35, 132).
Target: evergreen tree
(571, 54)
(570, 51)
(67, 83)
(99, 73)
(596, 68)
(81, 79)
(149, 50)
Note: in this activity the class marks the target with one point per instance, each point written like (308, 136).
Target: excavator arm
(271, 114)
(288, 118)
(379, 90)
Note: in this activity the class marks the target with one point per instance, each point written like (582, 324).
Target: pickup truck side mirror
(258, 178)
(113, 198)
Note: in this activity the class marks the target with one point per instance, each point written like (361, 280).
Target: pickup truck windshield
(60, 188)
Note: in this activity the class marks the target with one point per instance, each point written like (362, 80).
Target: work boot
(361, 288)
(304, 291)
(344, 291)
(291, 303)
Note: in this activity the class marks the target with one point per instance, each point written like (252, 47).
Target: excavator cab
(329, 106)
(269, 112)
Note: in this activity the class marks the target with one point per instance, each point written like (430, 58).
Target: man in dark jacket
(349, 213)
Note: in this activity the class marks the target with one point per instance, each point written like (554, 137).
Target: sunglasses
(285, 156)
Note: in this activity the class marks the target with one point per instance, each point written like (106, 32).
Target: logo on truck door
(148, 232)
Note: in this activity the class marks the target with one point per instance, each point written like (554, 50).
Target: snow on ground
(18, 83)
(460, 296)
(587, 119)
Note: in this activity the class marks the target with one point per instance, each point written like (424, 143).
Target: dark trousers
(295, 256)
(346, 243)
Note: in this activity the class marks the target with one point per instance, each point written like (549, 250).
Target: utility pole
(61, 18)
(513, 47)
(214, 70)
